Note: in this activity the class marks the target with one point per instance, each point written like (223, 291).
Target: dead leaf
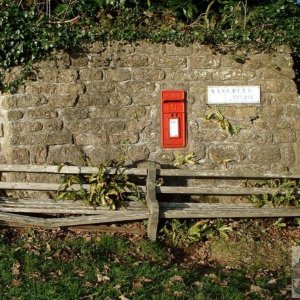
(48, 247)
(16, 282)
(122, 297)
(176, 278)
(272, 281)
(144, 279)
(177, 294)
(15, 270)
(256, 289)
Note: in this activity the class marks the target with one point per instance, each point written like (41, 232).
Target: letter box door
(173, 119)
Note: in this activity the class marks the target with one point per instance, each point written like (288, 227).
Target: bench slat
(63, 207)
(38, 186)
(216, 190)
(225, 174)
(222, 210)
(67, 169)
(112, 216)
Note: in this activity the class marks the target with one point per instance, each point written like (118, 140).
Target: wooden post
(152, 202)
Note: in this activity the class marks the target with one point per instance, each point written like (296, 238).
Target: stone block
(67, 76)
(264, 154)
(103, 86)
(91, 74)
(114, 126)
(198, 88)
(75, 113)
(57, 138)
(41, 113)
(224, 74)
(93, 100)
(84, 125)
(222, 153)
(138, 153)
(119, 99)
(18, 155)
(47, 74)
(204, 62)
(165, 158)
(106, 112)
(25, 127)
(136, 87)
(137, 124)
(272, 86)
(98, 155)
(151, 135)
(172, 49)
(41, 88)
(134, 60)
(253, 136)
(293, 111)
(208, 136)
(63, 60)
(288, 154)
(132, 112)
(148, 74)
(61, 101)
(243, 113)
(198, 149)
(70, 88)
(102, 60)
(70, 154)
(285, 136)
(22, 101)
(13, 115)
(145, 99)
(189, 75)
(178, 62)
(79, 60)
(91, 139)
(124, 138)
(117, 74)
(149, 48)
(52, 125)
(38, 154)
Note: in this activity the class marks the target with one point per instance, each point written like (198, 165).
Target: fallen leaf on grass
(272, 281)
(15, 270)
(16, 282)
(101, 278)
(256, 289)
(122, 297)
(176, 278)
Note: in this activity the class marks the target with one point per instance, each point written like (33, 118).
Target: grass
(61, 265)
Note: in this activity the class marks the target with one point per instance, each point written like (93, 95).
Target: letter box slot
(173, 127)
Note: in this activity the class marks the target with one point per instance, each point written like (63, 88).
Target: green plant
(223, 123)
(108, 187)
(182, 160)
(183, 233)
(285, 193)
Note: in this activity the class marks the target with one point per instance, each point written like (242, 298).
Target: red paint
(173, 127)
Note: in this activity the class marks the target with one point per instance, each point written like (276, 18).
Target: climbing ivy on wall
(32, 29)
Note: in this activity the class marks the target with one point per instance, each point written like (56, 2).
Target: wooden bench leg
(152, 202)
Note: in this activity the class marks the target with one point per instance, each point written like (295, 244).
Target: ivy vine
(31, 29)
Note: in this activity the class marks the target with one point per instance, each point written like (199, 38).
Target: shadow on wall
(296, 68)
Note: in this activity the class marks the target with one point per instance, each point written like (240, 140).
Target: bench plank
(222, 210)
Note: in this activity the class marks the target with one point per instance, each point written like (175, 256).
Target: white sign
(233, 94)
(173, 128)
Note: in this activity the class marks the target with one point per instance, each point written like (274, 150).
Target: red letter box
(173, 119)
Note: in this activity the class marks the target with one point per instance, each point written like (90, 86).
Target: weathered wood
(226, 174)
(152, 202)
(48, 206)
(106, 217)
(222, 210)
(225, 190)
(107, 229)
(67, 169)
(44, 186)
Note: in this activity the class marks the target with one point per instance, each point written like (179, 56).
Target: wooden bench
(49, 213)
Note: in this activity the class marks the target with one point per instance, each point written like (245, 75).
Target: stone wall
(104, 103)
